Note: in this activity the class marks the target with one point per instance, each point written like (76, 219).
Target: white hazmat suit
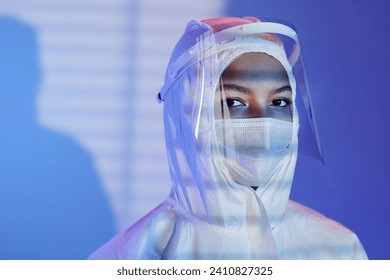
(231, 128)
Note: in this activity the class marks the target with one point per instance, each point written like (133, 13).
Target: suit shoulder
(335, 238)
(146, 239)
(306, 214)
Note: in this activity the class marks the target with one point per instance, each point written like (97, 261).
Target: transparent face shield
(247, 85)
(285, 37)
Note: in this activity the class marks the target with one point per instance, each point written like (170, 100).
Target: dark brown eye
(233, 102)
(281, 102)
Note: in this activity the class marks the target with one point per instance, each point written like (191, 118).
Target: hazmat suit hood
(229, 201)
(202, 184)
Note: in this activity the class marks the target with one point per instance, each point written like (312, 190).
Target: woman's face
(255, 85)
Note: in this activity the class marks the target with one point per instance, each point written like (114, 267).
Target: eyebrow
(282, 89)
(246, 90)
(235, 87)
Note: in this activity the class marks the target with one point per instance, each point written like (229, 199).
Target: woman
(231, 127)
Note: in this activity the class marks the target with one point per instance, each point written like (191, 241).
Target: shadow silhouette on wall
(51, 201)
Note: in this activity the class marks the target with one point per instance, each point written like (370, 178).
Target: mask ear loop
(225, 112)
(227, 140)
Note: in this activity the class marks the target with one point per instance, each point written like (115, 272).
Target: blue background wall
(51, 201)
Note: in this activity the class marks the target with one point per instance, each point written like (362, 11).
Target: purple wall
(345, 45)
